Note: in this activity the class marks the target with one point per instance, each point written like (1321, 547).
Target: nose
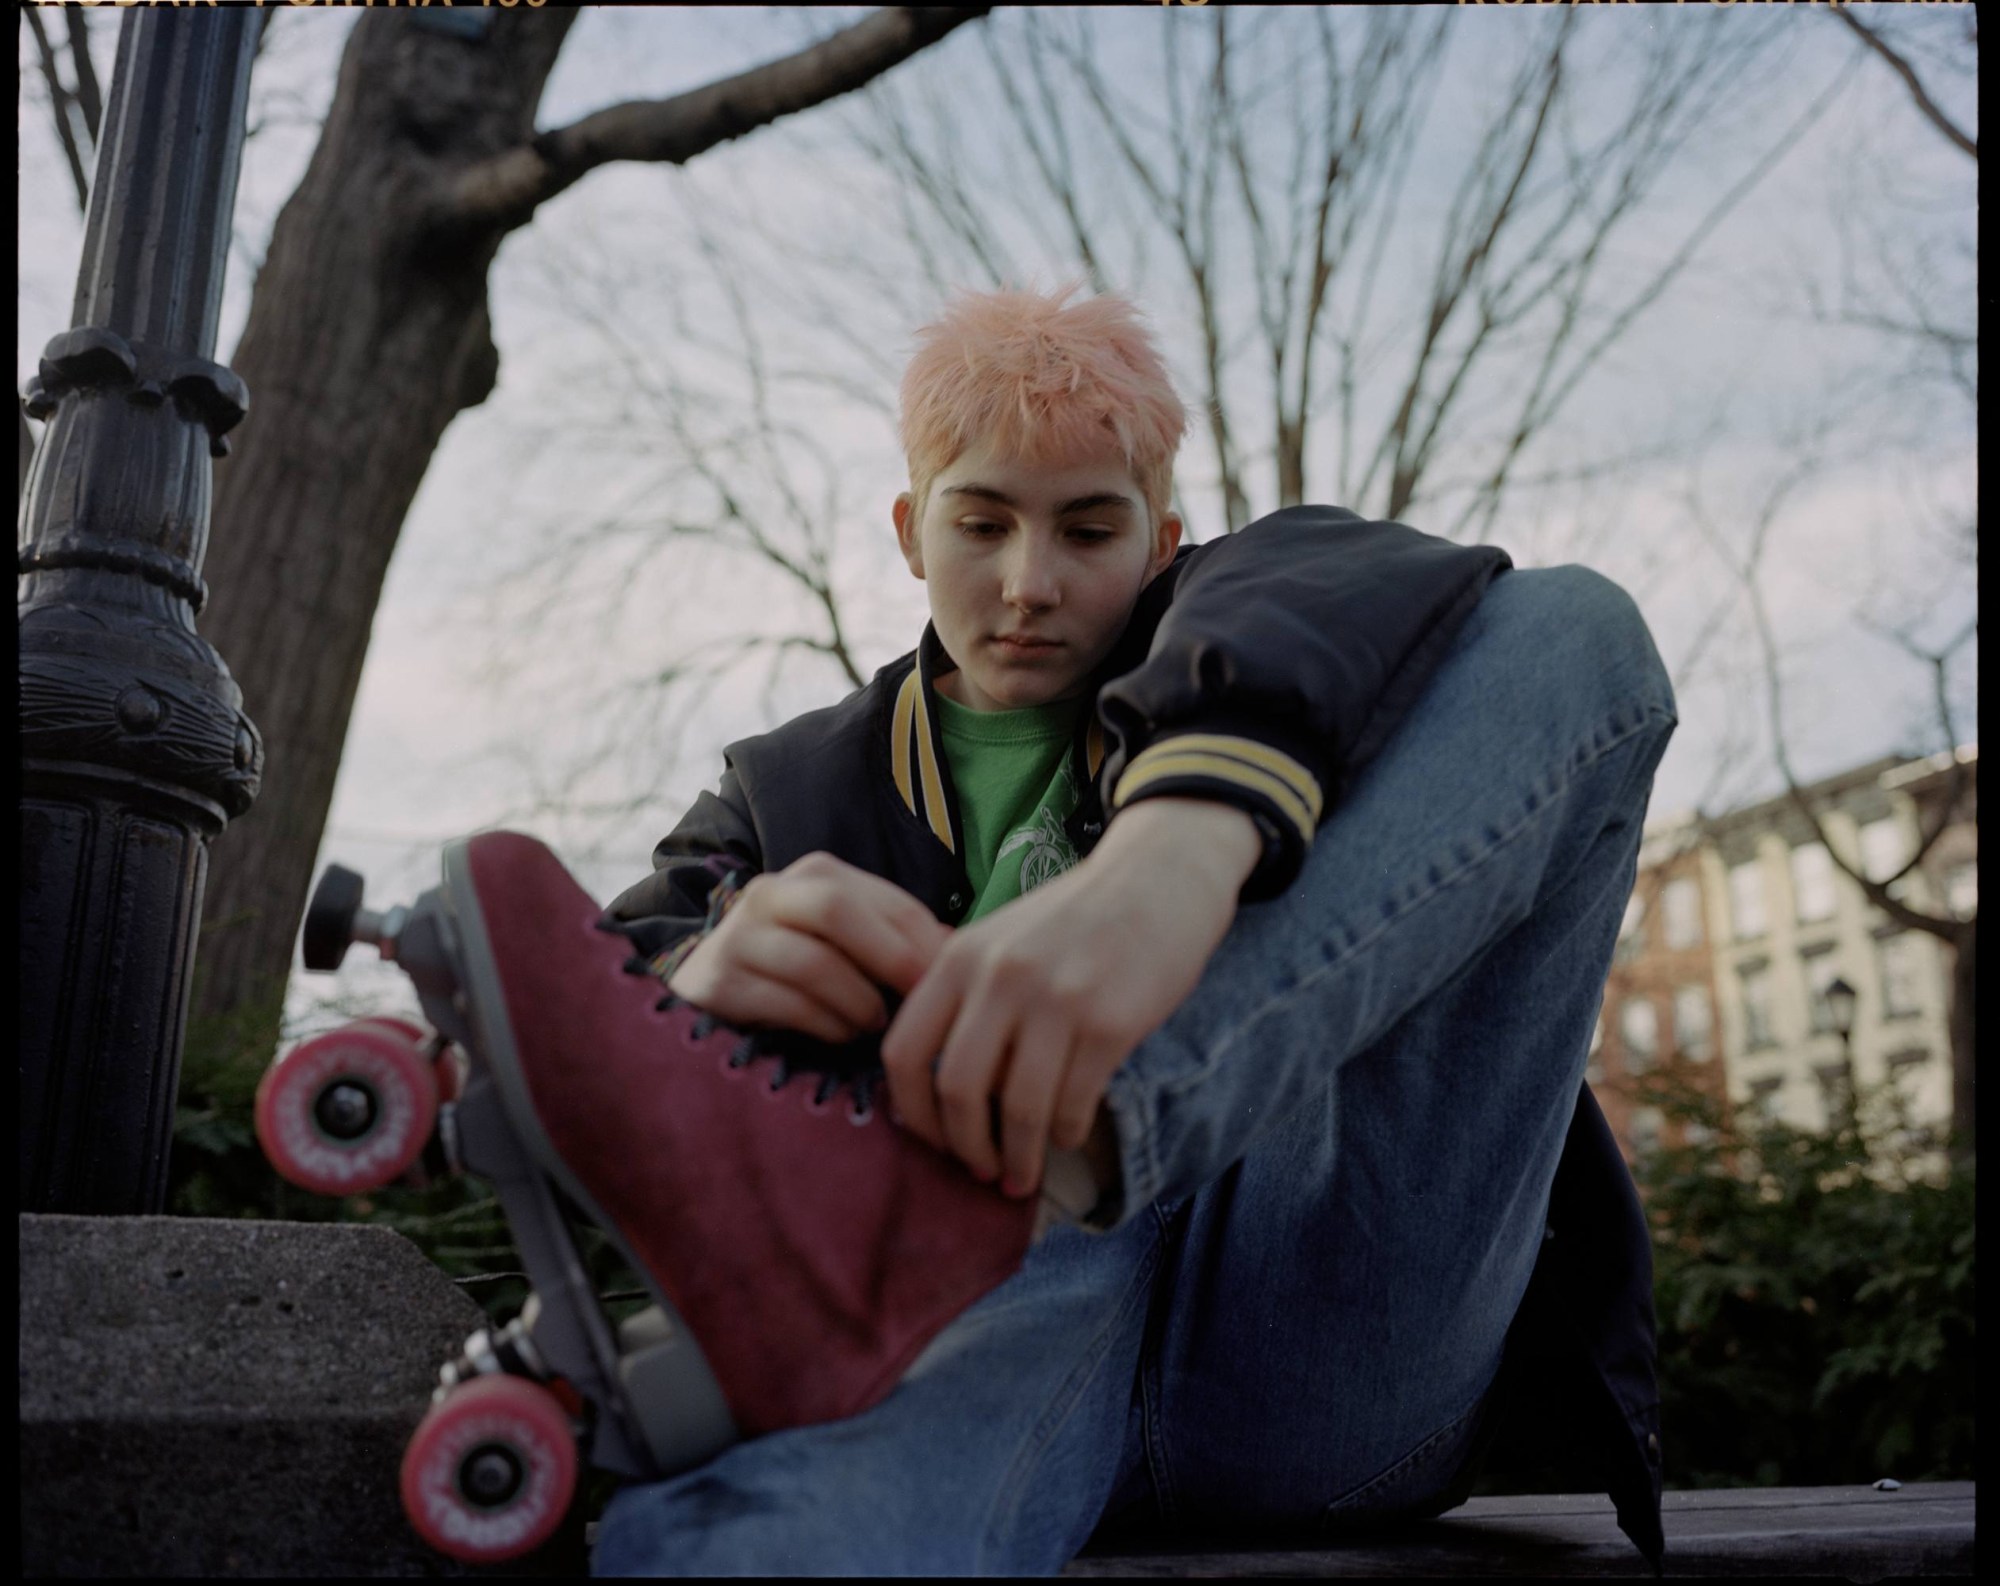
(1029, 582)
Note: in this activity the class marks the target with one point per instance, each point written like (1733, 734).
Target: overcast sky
(437, 748)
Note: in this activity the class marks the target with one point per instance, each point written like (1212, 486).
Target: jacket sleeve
(1283, 659)
(715, 841)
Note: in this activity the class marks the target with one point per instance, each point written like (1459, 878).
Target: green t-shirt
(1011, 770)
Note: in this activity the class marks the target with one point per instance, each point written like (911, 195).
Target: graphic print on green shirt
(1011, 770)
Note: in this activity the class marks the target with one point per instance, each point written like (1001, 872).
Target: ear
(907, 536)
(1166, 540)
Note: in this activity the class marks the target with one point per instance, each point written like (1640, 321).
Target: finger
(968, 1078)
(756, 1001)
(887, 933)
(1036, 1069)
(732, 982)
(1081, 1093)
(914, 1039)
(818, 971)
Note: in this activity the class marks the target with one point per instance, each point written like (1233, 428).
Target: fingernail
(985, 1175)
(1014, 1187)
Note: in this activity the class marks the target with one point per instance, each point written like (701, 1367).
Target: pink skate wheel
(444, 1065)
(490, 1472)
(347, 1111)
(409, 1027)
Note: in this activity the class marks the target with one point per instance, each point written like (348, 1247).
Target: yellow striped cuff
(1242, 761)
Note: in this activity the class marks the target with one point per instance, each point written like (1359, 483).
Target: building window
(1757, 1030)
(1961, 889)
(1694, 1036)
(1764, 1095)
(1882, 849)
(1746, 900)
(1680, 906)
(1639, 1024)
(1906, 1076)
(1901, 967)
(1812, 882)
(1820, 973)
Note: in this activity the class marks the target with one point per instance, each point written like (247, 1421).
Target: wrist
(1214, 838)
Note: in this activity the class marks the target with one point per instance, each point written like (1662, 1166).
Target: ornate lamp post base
(135, 748)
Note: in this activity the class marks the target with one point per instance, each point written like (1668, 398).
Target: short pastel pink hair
(1044, 383)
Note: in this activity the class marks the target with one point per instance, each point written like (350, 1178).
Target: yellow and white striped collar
(916, 744)
(916, 751)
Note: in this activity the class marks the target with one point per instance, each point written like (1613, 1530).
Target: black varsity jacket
(1265, 669)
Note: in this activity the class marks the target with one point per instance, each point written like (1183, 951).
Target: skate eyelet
(862, 1118)
(702, 1028)
(730, 1068)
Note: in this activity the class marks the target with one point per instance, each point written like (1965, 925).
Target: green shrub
(1815, 1297)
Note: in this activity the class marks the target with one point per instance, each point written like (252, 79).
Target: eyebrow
(1103, 498)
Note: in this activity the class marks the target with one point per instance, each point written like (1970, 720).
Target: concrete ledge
(214, 1397)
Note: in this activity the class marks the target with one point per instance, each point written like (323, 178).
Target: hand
(808, 948)
(1039, 1004)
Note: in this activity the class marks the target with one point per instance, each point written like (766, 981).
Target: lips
(1025, 644)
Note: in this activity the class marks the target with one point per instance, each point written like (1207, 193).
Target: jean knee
(1598, 631)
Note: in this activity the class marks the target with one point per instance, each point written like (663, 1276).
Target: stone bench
(213, 1397)
(1852, 1533)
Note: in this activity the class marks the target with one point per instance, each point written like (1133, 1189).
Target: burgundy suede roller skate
(798, 1249)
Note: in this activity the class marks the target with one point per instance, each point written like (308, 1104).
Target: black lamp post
(135, 750)
(1840, 1001)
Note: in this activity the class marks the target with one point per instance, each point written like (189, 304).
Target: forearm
(1209, 845)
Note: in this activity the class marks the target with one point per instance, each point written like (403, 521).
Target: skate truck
(797, 1250)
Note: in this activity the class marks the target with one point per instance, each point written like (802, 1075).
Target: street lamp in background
(1840, 1000)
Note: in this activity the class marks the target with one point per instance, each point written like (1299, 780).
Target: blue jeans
(1337, 1156)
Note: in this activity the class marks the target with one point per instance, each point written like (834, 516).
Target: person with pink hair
(1224, 927)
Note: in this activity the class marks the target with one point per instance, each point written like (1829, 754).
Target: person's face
(1018, 551)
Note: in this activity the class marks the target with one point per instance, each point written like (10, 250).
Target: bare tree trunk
(1964, 1070)
(368, 334)
(366, 338)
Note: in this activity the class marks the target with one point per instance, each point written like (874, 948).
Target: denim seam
(1539, 803)
(1135, 1120)
(1398, 1467)
(1153, 1414)
(1062, 1405)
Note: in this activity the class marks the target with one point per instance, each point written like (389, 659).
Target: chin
(1021, 698)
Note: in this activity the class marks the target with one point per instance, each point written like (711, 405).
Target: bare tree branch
(1944, 927)
(60, 99)
(1937, 118)
(502, 193)
(1547, 396)
(88, 99)
(1192, 235)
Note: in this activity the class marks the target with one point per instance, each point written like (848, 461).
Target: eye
(1092, 536)
(979, 528)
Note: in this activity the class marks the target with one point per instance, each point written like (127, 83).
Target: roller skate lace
(751, 1045)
